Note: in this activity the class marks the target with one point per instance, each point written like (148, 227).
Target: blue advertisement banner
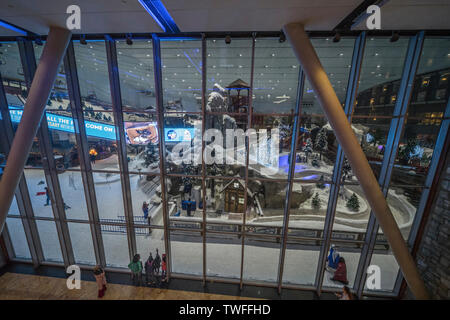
(63, 123)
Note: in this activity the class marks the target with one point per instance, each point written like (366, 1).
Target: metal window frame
(396, 127)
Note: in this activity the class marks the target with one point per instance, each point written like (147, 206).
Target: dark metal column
(203, 155)
(83, 151)
(162, 150)
(116, 99)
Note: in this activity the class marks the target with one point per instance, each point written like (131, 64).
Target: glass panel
(261, 258)
(308, 207)
(404, 202)
(415, 152)
(136, 75)
(184, 198)
(103, 152)
(187, 252)
(381, 74)
(229, 69)
(83, 248)
(300, 263)
(336, 59)
(14, 209)
(12, 74)
(372, 134)
(265, 206)
(223, 256)
(317, 147)
(116, 246)
(352, 213)
(18, 238)
(181, 62)
(225, 200)
(108, 190)
(275, 77)
(146, 199)
(40, 200)
(141, 132)
(92, 69)
(385, 260)
(225, 150)
(183, 143)
(431, 84)
(270, 146)
(49, 240)
(72, 192)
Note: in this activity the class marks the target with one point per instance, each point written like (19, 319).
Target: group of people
(152, 269)
(336, 265)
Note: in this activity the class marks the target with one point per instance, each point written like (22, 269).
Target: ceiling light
(341, 54)
(273, 54)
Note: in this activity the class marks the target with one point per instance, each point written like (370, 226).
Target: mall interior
(144, 91)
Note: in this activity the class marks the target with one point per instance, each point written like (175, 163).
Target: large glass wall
(239, 211)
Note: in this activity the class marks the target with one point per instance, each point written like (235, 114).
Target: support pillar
(41, 86)
(335, 114)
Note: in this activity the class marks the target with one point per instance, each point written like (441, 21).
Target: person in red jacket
(341, 272)
(164, 268)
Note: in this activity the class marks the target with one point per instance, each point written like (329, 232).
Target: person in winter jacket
(346, 294)
(136, 269)
(156, 262)
(164, 268)
(149, 269)
(341, 272)
(333, 258)
(100, 278)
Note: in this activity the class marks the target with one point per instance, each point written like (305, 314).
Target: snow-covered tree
(321, 141)
(316, 201)
(308, 148)
(353, 203)
(346, 170)
(151, 155)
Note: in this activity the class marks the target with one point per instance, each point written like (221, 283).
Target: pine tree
(353, 203)
(346, 170)
(316, 201)
(308, 148)
(321, 141)
(151, 155)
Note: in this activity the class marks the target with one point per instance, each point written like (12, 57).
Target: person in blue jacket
(333, 258)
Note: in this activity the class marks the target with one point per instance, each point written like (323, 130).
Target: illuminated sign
(141, 132)
(62, 123)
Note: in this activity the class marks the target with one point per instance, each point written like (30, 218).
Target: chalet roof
(238, 84)
(249, 192)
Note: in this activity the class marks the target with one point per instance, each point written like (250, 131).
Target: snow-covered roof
(238, 180)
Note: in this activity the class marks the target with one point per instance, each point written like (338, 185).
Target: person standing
(333, 259)
(346, 294)
(163, 268)
(156, 263)
(149, 269)
(100, 278)
(188, 208)
(48, 194)
(341, 272)
(136, 269)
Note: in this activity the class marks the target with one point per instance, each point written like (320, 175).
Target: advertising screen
(179, 134)
(141, 133)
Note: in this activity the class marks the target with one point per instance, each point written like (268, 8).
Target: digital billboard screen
(141, 133)
(179, 134)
